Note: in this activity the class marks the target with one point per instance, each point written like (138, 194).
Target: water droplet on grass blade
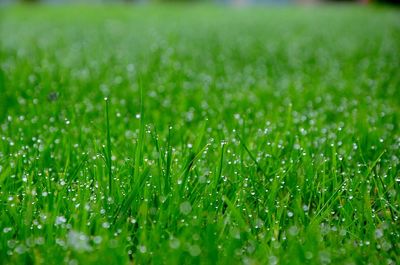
(185, 207)
(142, 249)
(272, 260)
(378, 233)
(60, 220)
(194, 250)
(293, 230)
(78, 241)
(174, 243)
(7, 229)
(97, 239)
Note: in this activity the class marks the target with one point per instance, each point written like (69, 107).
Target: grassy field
(199, 135)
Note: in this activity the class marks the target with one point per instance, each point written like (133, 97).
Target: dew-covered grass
(199, 135)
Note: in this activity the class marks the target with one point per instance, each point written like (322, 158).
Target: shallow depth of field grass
(228, 136)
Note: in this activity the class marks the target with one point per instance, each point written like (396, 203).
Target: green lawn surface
(179, 134)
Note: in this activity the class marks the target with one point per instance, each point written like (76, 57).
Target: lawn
(200, 134)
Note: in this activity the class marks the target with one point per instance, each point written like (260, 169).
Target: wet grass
(255, 136)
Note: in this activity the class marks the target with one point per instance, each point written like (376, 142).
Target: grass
(256, 135)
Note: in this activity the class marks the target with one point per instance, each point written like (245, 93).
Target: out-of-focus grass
(256, 135)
